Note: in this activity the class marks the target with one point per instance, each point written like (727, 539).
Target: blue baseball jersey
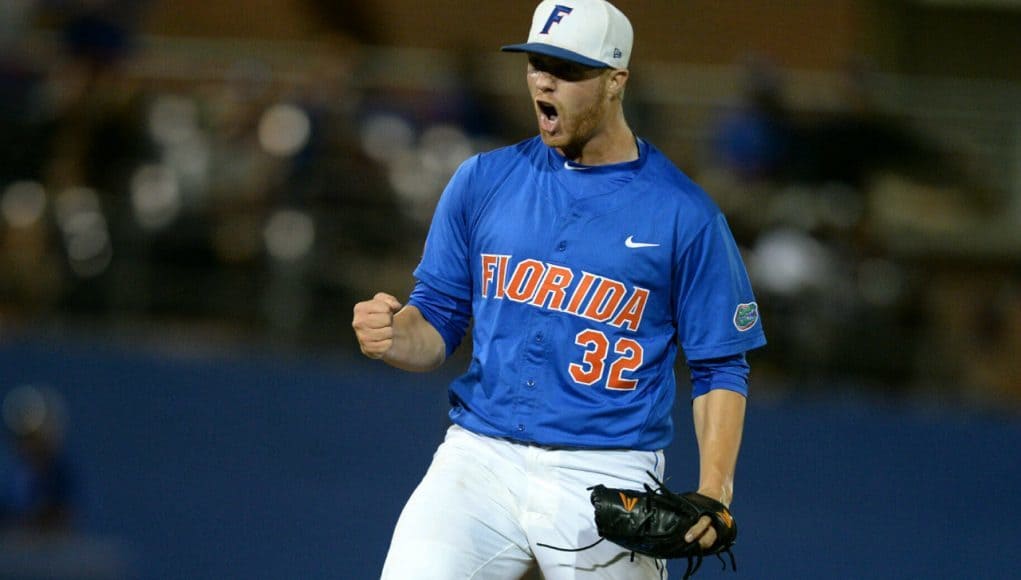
(582, 282)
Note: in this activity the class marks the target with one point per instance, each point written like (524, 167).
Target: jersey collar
(560, 163)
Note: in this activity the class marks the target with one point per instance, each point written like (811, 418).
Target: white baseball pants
(485, 503)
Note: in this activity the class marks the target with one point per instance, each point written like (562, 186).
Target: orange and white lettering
(553, 288)
(593, 361)
(633, 355)
(488, 272)
(630, 316)
(494, 272)
(549, 286)
(501, 275)
(525, 281)
(605, 300)
(579, 293)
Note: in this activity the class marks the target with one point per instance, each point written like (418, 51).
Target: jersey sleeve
(729, 372)
(449, 316)
(717, 315)
(445, 264)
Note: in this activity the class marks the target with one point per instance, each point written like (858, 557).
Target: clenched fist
(374, 324)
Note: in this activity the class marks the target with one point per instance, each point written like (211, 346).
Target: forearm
(719, 423)
(417, 346)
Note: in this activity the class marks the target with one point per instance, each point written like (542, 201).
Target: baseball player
(585, 258)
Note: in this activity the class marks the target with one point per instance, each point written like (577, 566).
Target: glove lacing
(659, 565)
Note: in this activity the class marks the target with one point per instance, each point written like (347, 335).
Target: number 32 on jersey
(627, 356)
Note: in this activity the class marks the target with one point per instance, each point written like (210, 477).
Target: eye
(562, 69)
(572, 72)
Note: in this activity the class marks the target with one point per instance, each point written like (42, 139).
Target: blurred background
(194, 194)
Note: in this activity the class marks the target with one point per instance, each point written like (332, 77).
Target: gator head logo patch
(746, 316)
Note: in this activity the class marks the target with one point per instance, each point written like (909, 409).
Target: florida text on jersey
(582, 281)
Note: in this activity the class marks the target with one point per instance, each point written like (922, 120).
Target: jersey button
(538, 337)
(530, 384)
(562, 246)
(521, 427)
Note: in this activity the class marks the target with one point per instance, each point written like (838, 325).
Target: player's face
(571, 101)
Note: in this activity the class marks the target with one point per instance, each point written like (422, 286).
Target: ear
(616, 83)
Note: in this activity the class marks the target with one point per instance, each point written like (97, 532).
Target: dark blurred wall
(901, 35)
(980, 42)
(805, 33)
(267, 19)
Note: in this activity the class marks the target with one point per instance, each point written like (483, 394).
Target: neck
(615, 143)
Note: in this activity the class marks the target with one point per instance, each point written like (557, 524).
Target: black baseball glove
(653, 522)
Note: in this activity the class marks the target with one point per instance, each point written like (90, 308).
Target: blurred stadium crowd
(242, 191)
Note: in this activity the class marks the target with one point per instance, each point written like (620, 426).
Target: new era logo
(617, 53)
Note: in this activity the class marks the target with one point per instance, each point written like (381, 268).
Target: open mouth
(547, 116)
(547, 109)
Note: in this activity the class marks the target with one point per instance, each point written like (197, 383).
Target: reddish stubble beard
(574, 127)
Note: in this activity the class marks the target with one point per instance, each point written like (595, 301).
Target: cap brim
(555, 52)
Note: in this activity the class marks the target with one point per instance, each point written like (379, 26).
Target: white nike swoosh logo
(631, 243)
(569, 167)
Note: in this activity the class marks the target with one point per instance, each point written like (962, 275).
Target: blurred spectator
(99, 33)
(754, 141)
(798, 189)
(22, 119)
(39, 492)
(861, 140)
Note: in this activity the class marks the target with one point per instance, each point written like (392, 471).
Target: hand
(702, 531)
(373, 324)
